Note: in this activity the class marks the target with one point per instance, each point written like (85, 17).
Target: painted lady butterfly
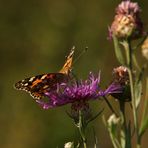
(38, 85)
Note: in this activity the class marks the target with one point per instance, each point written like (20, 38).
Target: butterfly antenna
(72, 51)
(83, 51)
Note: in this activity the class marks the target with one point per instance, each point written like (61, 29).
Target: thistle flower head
(128, 8)
(127, 23)
(78, 93)
(121, 77)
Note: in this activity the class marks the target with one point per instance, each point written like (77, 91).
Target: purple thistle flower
(129, 8)
(77, 92)
(127, 21)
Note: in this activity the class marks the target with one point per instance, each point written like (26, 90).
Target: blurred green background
(35, 37)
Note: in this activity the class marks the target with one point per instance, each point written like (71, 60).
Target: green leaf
(144, 126)
(142, 39)
(113, 123)
(138, 87)
(135, 62)
(118, 51)
(138, 92)
(122, 138)
(112, 129)
(144, 123)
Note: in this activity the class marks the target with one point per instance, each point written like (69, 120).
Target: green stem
(129, 53)
(135, 62)
(82, 127)
(83, 137)
(124, 137)
(122, 109)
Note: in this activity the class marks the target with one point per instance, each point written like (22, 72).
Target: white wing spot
(43, 77)
(26, 84)
(31, 79)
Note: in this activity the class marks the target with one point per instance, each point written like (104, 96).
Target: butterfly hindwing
(40, 84)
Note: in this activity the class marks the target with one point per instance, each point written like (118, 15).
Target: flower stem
(122, 109)
(82, 128)
(124, 128)
(129, 54)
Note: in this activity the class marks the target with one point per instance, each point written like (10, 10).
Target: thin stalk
(82, 129)
(115, 142)
(110, 106)
(124, 127)
(135, 62)
(83, 138)
(122, 109)
(129, 54)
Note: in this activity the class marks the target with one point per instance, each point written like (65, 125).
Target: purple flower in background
(127, 21)
(129, 8)
(77, 92)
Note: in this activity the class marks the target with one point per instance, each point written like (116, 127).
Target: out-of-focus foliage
(35, 36)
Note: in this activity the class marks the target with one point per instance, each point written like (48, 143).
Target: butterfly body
(38, 85)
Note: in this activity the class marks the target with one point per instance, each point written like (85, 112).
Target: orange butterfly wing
(37, 86)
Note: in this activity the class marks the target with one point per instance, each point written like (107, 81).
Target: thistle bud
(121, 77)
(127, 23)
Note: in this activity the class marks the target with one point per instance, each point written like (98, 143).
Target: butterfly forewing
(68, 64)
(38, 85)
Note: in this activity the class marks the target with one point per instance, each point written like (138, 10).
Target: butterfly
(38, 85)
